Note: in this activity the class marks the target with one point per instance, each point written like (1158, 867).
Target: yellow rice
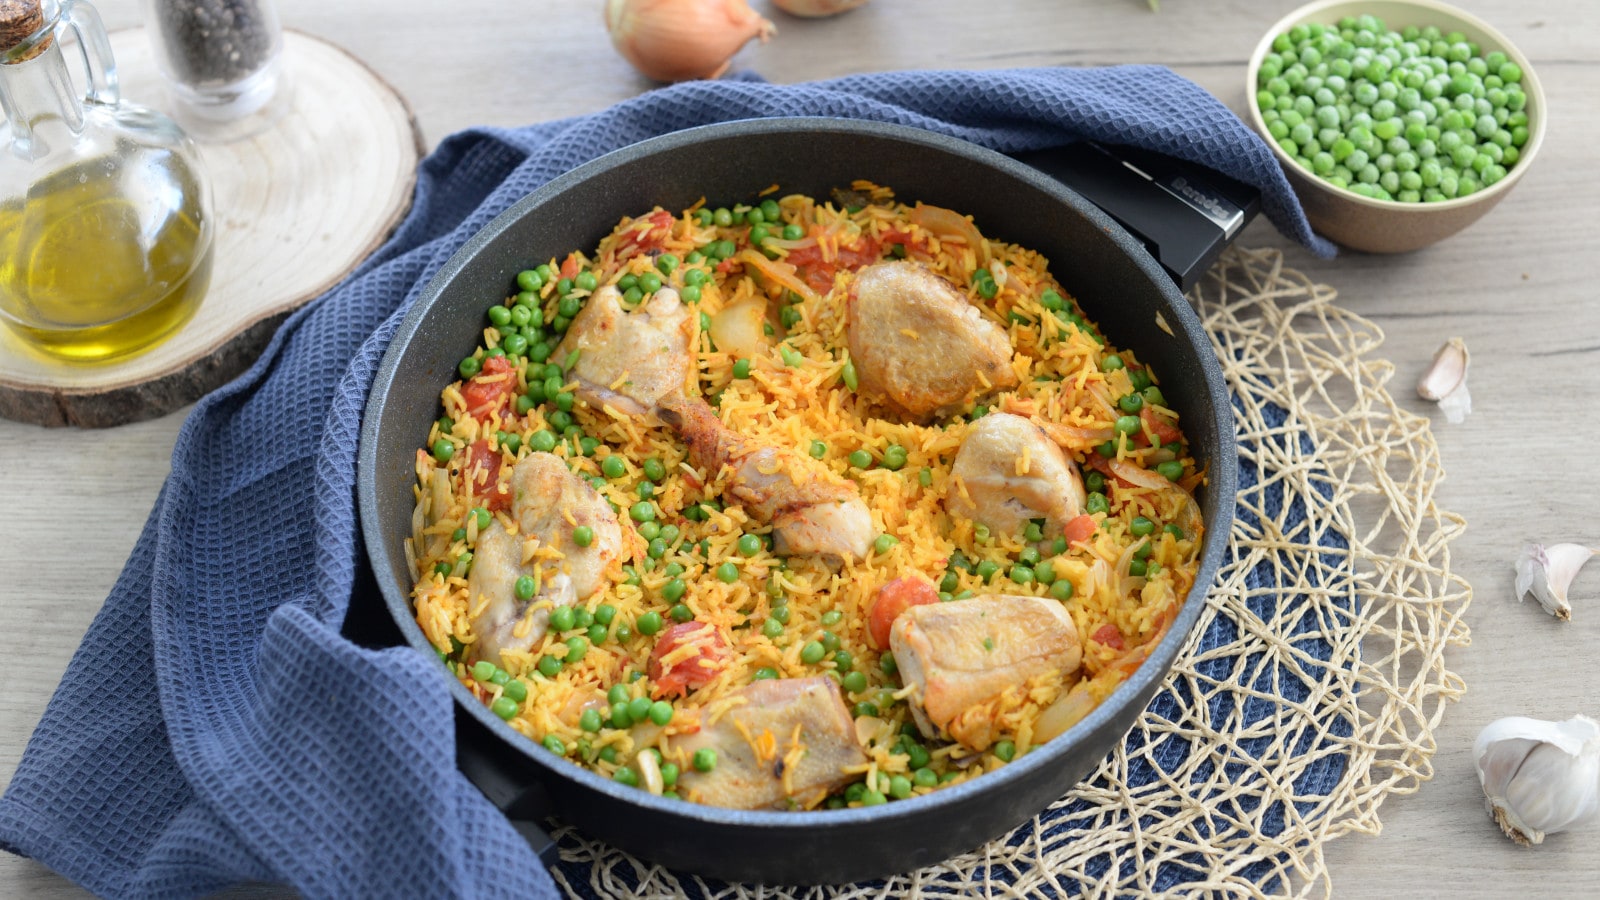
(1061, 380)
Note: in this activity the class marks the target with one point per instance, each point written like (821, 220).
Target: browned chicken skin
(961, 656)
(629, 360)
(787, 746)
(919, 347)
(995, 493)
(811, 512)
(544, 493)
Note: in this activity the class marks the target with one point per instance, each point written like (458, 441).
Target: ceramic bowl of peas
(1398, 122)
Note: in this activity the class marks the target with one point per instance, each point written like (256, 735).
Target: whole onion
(681, 40)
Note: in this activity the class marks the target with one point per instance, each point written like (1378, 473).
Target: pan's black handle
(521, 799)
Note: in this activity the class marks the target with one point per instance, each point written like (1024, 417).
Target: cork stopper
(20, 20)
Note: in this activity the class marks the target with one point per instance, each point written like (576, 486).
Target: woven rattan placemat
(1312, 684)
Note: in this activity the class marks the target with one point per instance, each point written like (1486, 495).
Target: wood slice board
(297, 206)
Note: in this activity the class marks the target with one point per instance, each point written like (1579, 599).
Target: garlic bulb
(816, 9)
(680, 40)
(1546, 572)
(1539, 777)
(1445, 381)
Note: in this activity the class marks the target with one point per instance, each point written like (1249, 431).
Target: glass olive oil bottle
(105, 233)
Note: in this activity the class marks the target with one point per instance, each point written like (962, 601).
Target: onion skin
(683, 40)
(816, 9)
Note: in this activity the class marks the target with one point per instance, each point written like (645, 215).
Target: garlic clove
(1539, 777)
(1445, 381)
(682, 40)
(816, 9)
(1547, 572)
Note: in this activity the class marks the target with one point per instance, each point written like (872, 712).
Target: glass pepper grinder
(105, 223)
(223, 63)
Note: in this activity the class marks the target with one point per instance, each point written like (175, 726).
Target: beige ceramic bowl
(1389, 226)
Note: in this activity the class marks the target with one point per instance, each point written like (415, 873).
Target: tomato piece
(491, 389)
(818, 273)
(482, 476)
(893, 599)
(570, 266)
(694, 670)
(1165, 431)
(1109, 635)
(652, 238)
(1078, 529)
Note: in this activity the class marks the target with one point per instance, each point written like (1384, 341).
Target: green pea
(791, 357)
(613, 467)
(848, 376)
(648, 623)
(660, 712)
(589, 720)
(793, 232)
(886, 664)
(790, 316)
(830, 641)
(608, 753)
(781, 614)
(758, 234)
(818, 450)
(1097, 503)
(1022, 574)
(1173, 530)
(669, 533)
(1137, 568)
(1172, 469)
(1045, 572)
(705, 759)
(860, 459)
(524, 587)
(560, 419)
(925, 477)
(654, 470)
(749, 545)
(1005, 750)
(728, 573)
(672, 592)
(864, 709)
(680, 613)
(772, 628)
(899, 787)
(812, 653)
(657, 548)
(529, 280)
(639, 708)
(549, 666)
(504, 707)
(563, 618)
(741, 368)
(626, 776)
(669, 774)
(1131, 403)
(1028, 556)
(542, 440)
(894, 457)
(987, 569)
(925, 777)
(1128, 425)
(598, 633)
(617, 694)
(583, 535)
(443, 450)
(769, 210)
(483, 670)
(884, 542)
(642, 512)
(722, 217)
(1141, 526)
(577, 648)
(619, 716)
(855, 682)
(1061, 590)
(765, 673)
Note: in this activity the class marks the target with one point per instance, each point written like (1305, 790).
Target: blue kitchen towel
(214, 727)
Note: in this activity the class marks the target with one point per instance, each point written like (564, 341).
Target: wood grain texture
(1517, 286)
(296, 207)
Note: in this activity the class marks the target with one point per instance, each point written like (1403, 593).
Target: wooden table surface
(1518, 286)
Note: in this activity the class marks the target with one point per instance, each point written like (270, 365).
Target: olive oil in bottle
(94, 268)
(105, 230)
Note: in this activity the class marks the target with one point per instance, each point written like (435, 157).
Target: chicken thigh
(960, 657)
(787, 746)
(629, 360)
(1010, 471)
(919, 347)
(544, 495)
(811, 512)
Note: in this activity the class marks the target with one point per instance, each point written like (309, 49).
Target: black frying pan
(1114, 279)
